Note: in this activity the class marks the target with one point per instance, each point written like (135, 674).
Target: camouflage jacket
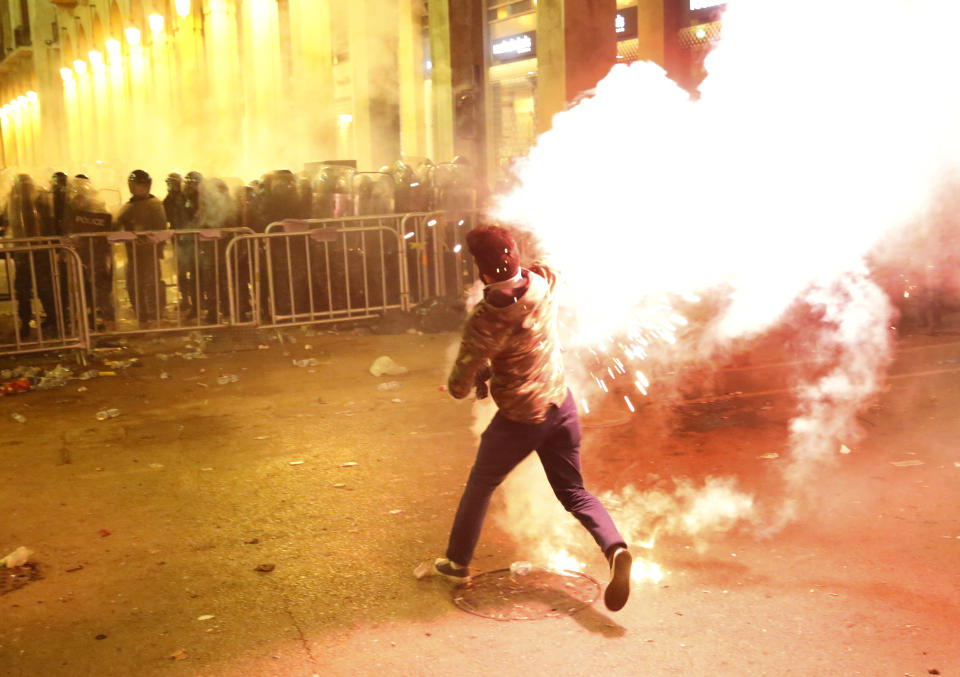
(517, 343)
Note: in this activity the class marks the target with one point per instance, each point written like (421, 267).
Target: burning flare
(817, 134)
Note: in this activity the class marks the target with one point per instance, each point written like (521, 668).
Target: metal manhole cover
(540, 593)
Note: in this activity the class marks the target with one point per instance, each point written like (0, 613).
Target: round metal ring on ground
(540, 593)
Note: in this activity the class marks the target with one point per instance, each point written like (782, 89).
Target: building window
(504, 9)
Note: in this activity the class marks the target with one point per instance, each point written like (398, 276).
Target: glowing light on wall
(80, 66)
(66, 74)
(183, 7)
(22, 100)
(32, 96)
(156, 23)
(113, 49)
(345, 118)
(133, 36)
(96, 58)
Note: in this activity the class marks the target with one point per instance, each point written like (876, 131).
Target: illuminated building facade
(238, 87)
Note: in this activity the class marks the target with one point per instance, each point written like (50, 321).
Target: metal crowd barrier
(171, 279)
(300, 271)
(43, 282)
(438, 263)
(309, 271)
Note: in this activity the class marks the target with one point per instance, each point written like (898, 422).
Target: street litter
(396, 511)
(194, 356)
(104, 414)
(423, 570)
(384, 365)
(339, 485)
(905, 464)
(156, 466)
(266, 568)
(17, 385)
(205, 617)
(309, 362)
(179, 655)
(227, 378)
(389, 385)
(770, 455)
(349, 464)
(19, 418)
(17, 558)
(396, 400)
(123, 364)
(87, 375)
(164, 376)
(296, 462)
(82, 389)
(844, 449)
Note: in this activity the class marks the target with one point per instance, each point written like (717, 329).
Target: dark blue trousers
(503, 445)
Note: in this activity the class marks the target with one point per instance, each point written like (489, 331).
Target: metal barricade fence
(171, 279)
(438, 263)
(43, 282)
(299, 271)
(306, 275)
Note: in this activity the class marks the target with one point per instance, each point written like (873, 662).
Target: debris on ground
(309, 362)
(179, 655)
(123, 364)
(104, 414)
(265, 568)
(389, 385)
(349, 464)
(19, 418)
(224, 379)
(17, 558)
(205, 617)
(906, 464)
(385, 366)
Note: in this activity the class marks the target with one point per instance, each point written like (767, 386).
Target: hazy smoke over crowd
(820, 132)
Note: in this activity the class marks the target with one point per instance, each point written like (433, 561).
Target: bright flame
(182, 7)
(561, 560)
(799, 173)
(156, 23)
(80, 66)
(32, 96)
(133, 36)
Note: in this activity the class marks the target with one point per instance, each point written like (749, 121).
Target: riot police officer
(141, 214)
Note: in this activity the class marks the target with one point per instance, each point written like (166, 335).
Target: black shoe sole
(618, 589)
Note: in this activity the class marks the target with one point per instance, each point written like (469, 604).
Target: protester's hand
(480, 382)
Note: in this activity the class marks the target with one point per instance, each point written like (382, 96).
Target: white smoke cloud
(820, 131)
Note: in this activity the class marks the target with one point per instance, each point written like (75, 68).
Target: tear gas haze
(820, 133)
